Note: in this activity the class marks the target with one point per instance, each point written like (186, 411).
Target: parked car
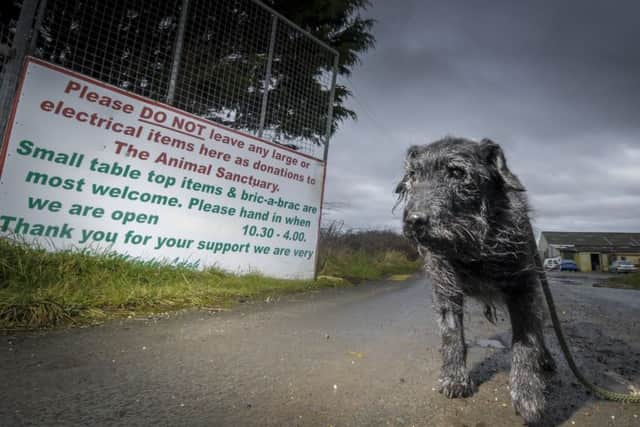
(568, 265)
(551, 263)
(622, 266)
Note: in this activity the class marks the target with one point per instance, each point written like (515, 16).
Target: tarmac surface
(361, 356)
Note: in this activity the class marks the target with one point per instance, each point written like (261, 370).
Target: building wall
(543, 247)
(583, 259)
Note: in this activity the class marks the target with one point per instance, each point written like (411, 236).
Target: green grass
(44, 289)
(362, 265)
(624, 281)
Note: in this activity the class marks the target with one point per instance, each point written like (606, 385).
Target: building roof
(594, 241)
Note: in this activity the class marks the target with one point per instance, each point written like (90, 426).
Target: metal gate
(236, 62)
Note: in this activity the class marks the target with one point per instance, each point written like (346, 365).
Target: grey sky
(556, 83)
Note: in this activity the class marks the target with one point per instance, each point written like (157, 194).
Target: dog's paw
(531, 415)
(529, 401)
(454, 387)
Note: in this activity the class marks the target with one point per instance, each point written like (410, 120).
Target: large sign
(87, 165)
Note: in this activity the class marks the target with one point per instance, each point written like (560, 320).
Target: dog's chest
(486, 278)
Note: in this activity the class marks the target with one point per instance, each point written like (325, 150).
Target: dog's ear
(412, 153)
(401, 191)
(401, 188)
(492, 154)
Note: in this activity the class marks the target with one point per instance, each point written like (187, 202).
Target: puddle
(489, 344)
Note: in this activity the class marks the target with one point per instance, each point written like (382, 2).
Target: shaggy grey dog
(469, 216)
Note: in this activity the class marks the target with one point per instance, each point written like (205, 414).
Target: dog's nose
(417, 219)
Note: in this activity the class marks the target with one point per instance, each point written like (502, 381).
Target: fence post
(325, 156)
(36, 26)
(177, 54)
(267, 76)
(332, 95)
(20, 47)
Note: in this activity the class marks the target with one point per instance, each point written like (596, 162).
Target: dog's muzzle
(415, 224)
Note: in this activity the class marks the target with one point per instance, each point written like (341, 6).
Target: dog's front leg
(448, 307)
(530, 357)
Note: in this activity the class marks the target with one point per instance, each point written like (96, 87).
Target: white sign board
(87, 165)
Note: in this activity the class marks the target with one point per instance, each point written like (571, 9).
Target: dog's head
(451, 189)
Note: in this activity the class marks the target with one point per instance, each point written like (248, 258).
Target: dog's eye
(456, 172)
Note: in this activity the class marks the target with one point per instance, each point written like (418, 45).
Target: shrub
(359, 255)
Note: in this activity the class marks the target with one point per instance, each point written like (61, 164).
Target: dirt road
(365, 356)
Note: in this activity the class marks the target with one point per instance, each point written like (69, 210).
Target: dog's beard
(460, 237)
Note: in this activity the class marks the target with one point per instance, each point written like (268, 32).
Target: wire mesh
(122, 42)
(299, 90)
(224, 62)
(222, 73)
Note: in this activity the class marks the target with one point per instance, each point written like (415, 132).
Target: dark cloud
(555, 82)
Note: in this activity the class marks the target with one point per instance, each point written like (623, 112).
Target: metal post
(19, 49)
(267, 77)
(36, 26)
(325, 156)
(177, 54)
(332, 95)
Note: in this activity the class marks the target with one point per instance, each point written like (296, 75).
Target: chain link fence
(236, 62)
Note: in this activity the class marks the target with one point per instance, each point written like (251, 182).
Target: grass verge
(366, 255)
(45, 289)
(623, 281)
(360, 265)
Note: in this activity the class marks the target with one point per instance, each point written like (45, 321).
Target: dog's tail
(598, 391)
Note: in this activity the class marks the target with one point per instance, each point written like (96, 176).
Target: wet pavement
(363, 356)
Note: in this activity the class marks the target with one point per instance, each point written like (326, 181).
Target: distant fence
(236, 62)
